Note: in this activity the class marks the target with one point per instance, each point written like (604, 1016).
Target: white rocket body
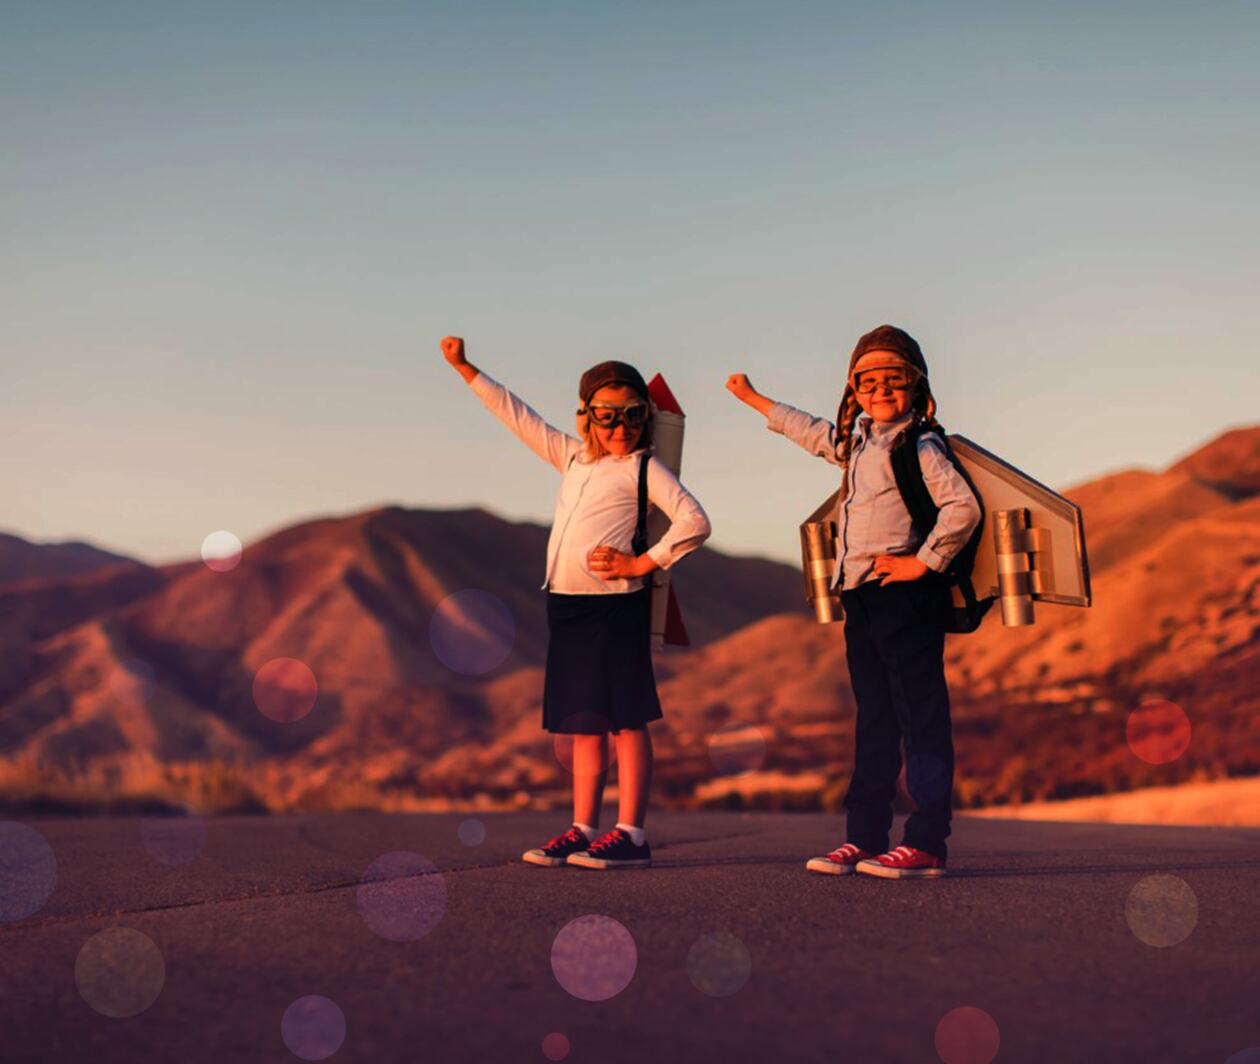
(667, 440)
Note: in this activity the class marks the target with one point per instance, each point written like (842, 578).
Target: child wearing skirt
(599, 677)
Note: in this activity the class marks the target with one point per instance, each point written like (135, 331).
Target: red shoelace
(574, 834)
(609, 840)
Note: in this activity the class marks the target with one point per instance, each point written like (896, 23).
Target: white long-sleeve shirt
(598, 504)
(873, 520)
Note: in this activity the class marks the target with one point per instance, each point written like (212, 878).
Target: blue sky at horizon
(232, 236)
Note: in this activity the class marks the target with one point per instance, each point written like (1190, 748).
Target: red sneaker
(903, 863)
(839, 862)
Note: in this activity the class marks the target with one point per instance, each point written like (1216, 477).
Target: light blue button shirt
(872, 519)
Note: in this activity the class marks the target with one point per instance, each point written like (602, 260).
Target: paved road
(1040, 926)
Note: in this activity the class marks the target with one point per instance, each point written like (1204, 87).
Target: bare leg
(590, 773)
(634, 774)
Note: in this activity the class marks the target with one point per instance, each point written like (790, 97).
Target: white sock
(637, 835)
(587, 830)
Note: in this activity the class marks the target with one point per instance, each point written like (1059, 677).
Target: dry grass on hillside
(1221, 803)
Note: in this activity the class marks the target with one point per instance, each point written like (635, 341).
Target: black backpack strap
(909, 476)
(923, 513)
(640, 544)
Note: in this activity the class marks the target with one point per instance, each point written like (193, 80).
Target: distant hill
(135, 684)
(158, 664)
(1230, 463)
(21, 559)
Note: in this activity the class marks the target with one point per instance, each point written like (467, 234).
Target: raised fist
(453, 349)
(740, 386)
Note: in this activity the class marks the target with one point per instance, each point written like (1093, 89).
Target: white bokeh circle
(472, 832)
(28, 871)
(119, 972)
(472, 632)
(1161, 910)
(718, 964)
(594, 957)
(313, 1027)
(221, 551)
(401, 896)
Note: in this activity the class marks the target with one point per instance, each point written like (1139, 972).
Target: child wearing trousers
(599, 677)
(895, 599)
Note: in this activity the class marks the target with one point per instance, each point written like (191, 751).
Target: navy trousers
(895, 644)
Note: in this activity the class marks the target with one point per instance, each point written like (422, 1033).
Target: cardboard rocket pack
(1032, 546)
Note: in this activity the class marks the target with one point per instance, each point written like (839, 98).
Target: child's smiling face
(620, 439)
(885, 368)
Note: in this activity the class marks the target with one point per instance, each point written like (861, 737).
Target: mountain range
(127, 686)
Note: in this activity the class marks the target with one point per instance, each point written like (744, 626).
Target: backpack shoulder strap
(639, 543)
(923, 512)
(909, 476)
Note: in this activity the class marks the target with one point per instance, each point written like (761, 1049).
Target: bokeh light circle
(28, 870)
(313, 1027)
(594, 957)
(472, 631)
(285, 690)
(736, 749)
(1161, 909)
(173, 840)
(401, 896)
(718, 964)
(1158, 731)
(1244, 1056)
(472, 832)
(967, 1035)
(555, 1046)
(221, 551)
(587, 723)
(120, 972)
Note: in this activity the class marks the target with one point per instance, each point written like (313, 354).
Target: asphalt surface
(732, 950)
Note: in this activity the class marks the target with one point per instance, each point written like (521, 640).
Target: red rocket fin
(675, 630)
(660, 394)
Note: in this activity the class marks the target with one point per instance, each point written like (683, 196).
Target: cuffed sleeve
(931, 559)
(688, 523)
(546, 441)
(814, 434)
(959, 512)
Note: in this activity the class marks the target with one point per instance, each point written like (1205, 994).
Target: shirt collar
(883, 429)
(621, 457)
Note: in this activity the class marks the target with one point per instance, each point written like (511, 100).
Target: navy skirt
(599, 663)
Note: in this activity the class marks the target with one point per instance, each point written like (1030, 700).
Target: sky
(231, 236)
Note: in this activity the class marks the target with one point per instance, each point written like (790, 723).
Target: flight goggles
(897, 377)
(607, 415)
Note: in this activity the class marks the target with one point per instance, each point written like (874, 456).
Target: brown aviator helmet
(889, 338)
(610, 373)
(614, 372)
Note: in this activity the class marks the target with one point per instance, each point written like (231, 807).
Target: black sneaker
(553, 854)
(614, 850)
